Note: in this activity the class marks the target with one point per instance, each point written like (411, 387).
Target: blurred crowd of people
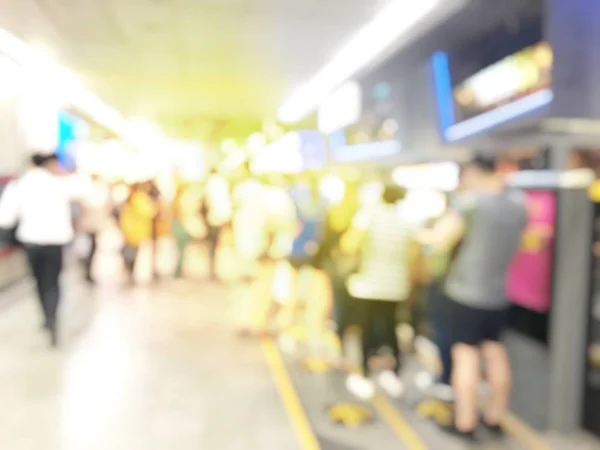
(307, 254)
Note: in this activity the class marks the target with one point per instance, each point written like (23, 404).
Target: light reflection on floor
(153, 367)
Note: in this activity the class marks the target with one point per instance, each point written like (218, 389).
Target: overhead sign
(340, 109)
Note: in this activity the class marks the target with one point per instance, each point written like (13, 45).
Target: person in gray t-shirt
(483, 229)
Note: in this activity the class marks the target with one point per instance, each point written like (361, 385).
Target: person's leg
(89, 261)
(36, 267)
(181, 239)
(466, 379)
(386, 312)
(498, 376)
(213, 244)
(52, 260)
(442, 331)
(360, 384)
(129, 258)
(385, 315)
(369, 338)
(467, 333)
(497, 368)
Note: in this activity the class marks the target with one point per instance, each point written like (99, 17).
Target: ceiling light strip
(391, 23)
(77, 95)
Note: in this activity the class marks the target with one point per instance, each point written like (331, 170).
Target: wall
(11, 145)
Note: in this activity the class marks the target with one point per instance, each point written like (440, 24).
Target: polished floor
(142, 369)
(158, 367)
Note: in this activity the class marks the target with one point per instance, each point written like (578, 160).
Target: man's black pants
(46, 265)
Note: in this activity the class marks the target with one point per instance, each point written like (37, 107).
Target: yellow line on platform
(289, 397)
(398, 424)
(523, 433)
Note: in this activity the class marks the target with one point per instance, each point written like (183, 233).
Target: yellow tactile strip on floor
(298, 418)
(399, 425)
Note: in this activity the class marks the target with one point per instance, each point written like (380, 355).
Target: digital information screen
(492, 79)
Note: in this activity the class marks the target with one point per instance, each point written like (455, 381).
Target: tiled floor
(142, 369)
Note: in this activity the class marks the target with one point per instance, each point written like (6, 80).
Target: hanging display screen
(494, 78)
(514, 77)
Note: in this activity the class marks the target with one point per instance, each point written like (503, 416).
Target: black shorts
(472, 326)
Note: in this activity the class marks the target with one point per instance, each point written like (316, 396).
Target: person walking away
(218, 212)
(136, 223)
(96, 208)
(485, 224)
(38, 207)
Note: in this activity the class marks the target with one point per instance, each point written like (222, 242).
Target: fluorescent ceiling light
(499, 115)
(392, 22)
(62, 81)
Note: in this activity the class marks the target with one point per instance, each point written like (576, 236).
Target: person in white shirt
(218, 208)
(95, 216)
(38, 205)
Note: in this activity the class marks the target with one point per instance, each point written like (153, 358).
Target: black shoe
(495, 430)
(468, 436)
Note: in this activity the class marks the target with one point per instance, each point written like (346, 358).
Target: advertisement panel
(516, 76)
(530, 275)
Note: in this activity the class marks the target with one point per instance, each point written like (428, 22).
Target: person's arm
(449, 230)
(9, 205)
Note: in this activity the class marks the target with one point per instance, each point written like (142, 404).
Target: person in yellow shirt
(136, 223)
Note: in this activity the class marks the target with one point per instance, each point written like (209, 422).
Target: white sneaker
(390, 383)
(424, 380)
(360, 386)
(441, 392)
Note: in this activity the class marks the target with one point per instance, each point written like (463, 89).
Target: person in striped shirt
(384, 237)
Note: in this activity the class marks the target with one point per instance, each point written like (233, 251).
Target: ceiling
(198, 67)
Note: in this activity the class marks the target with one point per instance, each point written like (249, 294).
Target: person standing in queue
(217, 203)
(95, 215)
(38, 207)
(136, 221)
(338, 266)
(485, 223)
(384, 279)
(160, 227)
